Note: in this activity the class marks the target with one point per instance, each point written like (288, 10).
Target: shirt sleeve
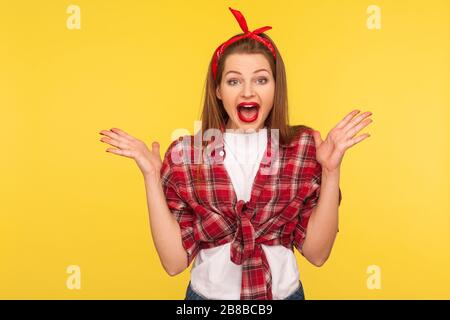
(311, 199)
(171, 178)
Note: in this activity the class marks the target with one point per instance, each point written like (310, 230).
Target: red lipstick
(248, 111)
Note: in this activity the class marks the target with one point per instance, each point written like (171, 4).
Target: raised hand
(329, 153)
(149, 162)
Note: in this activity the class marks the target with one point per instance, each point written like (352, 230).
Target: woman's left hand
(329, 153)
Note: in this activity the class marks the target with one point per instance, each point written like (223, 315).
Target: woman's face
(247, 90)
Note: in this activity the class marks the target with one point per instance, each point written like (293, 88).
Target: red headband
(248, 34)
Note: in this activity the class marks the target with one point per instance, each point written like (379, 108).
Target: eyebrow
(241, 73)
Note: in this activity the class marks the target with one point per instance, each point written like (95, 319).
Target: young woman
(252, 189)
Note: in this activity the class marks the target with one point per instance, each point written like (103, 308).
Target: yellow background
(140, 66)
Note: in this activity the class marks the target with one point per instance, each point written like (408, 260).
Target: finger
(346, 119)
(111, 134)
(356, 120)
(114, 142)
(353, 131)
(317, 138)
(155, 147)
(125, 153)
(357, 139)
(122, 133)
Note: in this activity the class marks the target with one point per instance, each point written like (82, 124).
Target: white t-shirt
(213, 274)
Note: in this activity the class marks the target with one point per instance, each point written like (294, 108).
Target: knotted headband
(247, 34)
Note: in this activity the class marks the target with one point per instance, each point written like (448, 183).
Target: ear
(218, 95)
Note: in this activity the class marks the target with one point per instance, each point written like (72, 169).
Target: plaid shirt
(283, 195)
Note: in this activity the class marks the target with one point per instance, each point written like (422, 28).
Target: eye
(263, 80)
(232, 82)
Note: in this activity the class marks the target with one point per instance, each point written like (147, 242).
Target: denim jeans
(296, 295)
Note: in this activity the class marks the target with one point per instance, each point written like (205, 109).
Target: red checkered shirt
(283, 195)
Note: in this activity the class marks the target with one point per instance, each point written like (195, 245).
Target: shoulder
(301, 137)
(176, 160)
(179, 150)
(303, 148)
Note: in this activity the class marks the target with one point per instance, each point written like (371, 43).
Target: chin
(251, 126)
(238, 124)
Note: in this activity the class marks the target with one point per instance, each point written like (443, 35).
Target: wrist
(152, 179)
(330, 173)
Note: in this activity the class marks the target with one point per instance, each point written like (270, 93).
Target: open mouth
(248, 112)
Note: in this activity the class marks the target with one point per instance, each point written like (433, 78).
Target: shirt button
(222, 153)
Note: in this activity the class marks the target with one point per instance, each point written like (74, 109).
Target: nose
(248, 90)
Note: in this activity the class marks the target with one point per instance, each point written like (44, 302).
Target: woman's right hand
(149, 162)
